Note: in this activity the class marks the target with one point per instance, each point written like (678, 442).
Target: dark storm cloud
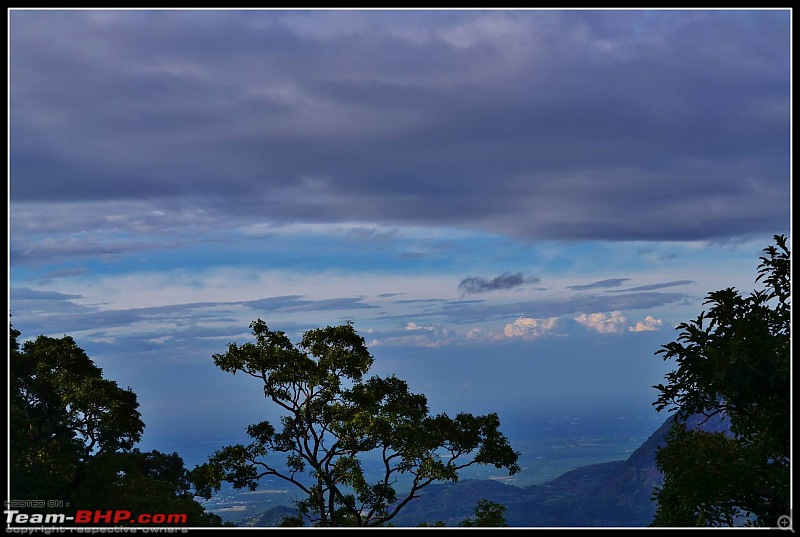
(640, 125)
(476, 284)
(611, 282)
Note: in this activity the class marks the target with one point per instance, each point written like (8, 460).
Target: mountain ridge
(609, 494)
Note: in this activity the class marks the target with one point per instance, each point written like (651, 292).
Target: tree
(487, 514)
(334, 416)
(65, 415)
(733, 361)
(73, 434)
(143, 482)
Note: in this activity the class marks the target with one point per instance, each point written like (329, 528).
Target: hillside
(611, 494)
(617, 493)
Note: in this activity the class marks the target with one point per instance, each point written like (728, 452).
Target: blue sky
(515, 208)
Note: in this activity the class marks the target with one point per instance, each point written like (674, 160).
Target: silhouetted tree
(73, 433)
(334, 415)
(487, 514)
(734, 361)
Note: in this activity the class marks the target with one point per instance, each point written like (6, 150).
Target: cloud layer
(639, 125)
(476, 284)
(528, 328)
(176, 174)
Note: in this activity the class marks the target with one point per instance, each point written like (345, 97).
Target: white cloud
(530, 328)
(604, 323)
(436, 330)
(649, 324)
(614, 322)
(160, 340)
(478, 336)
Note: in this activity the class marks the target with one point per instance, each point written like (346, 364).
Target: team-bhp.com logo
(116, 517)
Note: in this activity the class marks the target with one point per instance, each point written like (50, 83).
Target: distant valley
(604, 494)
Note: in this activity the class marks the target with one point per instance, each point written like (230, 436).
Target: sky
(515, 208)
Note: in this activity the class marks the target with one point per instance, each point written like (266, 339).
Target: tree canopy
(333, 416)
(487, 514)
(73, 434)
(733, 361)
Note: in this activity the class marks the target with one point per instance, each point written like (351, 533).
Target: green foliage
(333, 414)
(65, 415)
(73, 435)
(734, 361)
(487, 515)
(437, 524)
(142, 482)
